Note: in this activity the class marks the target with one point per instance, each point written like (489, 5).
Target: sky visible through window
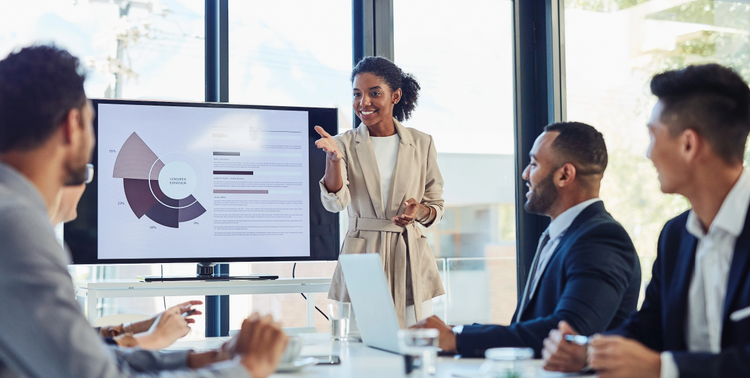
(162, 43)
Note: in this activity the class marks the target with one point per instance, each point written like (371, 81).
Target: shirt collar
(558, 226)
(731, 215)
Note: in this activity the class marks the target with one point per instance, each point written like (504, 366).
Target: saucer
(296, 365)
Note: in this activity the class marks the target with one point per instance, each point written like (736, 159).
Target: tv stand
(205, 272)
(89, 293)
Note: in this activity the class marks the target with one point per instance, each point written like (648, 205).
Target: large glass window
(613, 48)
(292, 53)
(281, 53)
(465, 68)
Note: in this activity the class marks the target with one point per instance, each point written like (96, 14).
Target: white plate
(297, 365)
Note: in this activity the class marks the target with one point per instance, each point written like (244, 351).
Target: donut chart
(161, 188)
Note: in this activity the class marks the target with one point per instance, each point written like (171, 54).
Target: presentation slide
(185, 182)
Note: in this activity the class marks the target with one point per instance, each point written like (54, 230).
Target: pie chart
(161, 188)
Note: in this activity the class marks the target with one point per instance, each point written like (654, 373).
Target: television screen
(204, 182)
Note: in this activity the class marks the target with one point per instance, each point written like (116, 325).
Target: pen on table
(578, 339)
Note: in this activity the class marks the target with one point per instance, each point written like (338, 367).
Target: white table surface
(361, 361)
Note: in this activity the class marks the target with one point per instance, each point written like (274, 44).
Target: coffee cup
(293, 348)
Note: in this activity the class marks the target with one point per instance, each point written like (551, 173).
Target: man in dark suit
(585, 270)
(695, 320)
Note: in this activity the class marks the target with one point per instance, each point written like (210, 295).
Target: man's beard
(543, 197)
(76, 174)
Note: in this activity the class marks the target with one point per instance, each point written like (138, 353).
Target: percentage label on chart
(120, 203)
(152, 227)
(196, 223)
(112, 151)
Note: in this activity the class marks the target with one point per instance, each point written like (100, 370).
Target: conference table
(361, 361)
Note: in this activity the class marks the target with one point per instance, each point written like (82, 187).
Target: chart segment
(159, 188)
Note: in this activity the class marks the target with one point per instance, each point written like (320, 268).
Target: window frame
(540, 100)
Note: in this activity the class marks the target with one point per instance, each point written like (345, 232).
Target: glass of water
(508, 363)
(421, 345)
(340, 313)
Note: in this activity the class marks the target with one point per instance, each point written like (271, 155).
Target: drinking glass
(508, 363)
(339, 313)
(419, 346)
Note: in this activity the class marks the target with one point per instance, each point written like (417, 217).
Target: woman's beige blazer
(407, 258)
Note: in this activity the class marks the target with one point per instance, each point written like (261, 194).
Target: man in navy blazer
(695, 320)
(585, 270)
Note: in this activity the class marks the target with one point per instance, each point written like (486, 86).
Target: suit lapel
(585, 215)
(678, 287)
(402, 172)
(368, 164)
(738, 269)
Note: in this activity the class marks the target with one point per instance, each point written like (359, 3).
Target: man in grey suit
(46, 139)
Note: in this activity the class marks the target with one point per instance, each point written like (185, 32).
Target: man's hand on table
(446, 338)
(618, 357)
(560, 354)
(260, 343)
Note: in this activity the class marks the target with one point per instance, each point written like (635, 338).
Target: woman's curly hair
(396, 79)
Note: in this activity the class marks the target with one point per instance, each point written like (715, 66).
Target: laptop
(371, 300)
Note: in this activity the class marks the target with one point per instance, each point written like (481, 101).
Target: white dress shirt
(386, 154)
(556, 230)
(708, 286)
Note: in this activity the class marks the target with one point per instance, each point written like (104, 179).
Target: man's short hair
(579, 144)
(39, 85)
(711, 99)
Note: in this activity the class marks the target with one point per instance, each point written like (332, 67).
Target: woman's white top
(386, 154)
